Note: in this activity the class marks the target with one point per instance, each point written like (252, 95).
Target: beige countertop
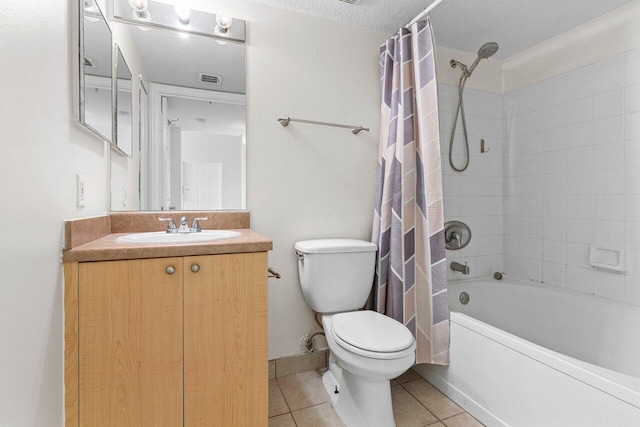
(107, 248)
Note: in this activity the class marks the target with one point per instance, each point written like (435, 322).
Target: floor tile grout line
(418, 400)
(283, 396)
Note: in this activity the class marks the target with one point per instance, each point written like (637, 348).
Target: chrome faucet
(171, 228)
(195, 226)
(456, 266)
(184, 228)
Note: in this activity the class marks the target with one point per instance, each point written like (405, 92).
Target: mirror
(95, 77)
(191, 124)
(124, 105)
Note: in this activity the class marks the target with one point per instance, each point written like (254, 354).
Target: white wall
(42, 150)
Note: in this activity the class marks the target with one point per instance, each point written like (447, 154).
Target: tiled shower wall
(474, 196)
(572, 177)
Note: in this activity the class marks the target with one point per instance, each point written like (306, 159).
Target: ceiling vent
(209, 79)
(353, 2)
(89, 63)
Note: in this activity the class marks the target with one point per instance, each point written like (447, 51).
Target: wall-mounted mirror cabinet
(189, 147)
(123, 118)
(95, 85)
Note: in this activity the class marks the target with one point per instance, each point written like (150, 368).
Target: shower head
(488, 49)
(485, 51)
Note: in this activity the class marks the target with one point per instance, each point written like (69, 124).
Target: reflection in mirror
(193, 151)
(124, 105)
(95, 71)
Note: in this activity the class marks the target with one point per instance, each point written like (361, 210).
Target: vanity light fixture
(140, 9)
(183, 12)
(224, 20)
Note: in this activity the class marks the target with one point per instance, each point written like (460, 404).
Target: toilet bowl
(367, 348)
(360, 375)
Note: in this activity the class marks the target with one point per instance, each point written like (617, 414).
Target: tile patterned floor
(300, 401)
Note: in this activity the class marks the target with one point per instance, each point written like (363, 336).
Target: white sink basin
(164, 238)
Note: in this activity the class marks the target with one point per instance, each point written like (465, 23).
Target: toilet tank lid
(328, 246)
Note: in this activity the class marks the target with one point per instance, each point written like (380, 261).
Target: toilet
(367, 348)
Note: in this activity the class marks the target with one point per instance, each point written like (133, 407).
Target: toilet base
(359, 402)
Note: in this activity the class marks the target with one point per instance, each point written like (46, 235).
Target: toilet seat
(371, 334)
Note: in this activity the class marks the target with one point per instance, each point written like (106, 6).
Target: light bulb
(140, 9)
(140, 6)
(183, 35)
(183, 12)
(224, 20)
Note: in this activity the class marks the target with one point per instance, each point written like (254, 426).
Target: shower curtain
(410, 283)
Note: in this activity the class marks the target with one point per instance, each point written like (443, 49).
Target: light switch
(80, 196)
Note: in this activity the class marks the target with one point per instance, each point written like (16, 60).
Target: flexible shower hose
(460, 111)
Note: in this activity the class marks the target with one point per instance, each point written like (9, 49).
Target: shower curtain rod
(424, 13)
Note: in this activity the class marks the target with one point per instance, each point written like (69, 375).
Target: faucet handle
(195, 227)
(171, 228)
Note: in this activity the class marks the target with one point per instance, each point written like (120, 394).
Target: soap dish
(608, 258)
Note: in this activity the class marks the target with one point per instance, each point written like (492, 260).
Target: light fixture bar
(162, 15)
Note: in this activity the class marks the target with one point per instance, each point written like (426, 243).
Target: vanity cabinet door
(130, 343)
(225, 340)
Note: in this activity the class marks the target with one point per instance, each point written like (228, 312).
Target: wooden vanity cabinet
(167, 341)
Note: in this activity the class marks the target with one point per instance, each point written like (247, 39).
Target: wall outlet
(81, 193)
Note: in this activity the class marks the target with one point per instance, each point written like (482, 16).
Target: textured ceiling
(464, 24)
(221, 119)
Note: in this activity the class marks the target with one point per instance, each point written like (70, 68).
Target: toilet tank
(336, 274)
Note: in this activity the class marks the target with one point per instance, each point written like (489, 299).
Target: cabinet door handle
(171, 269)
(195, 268)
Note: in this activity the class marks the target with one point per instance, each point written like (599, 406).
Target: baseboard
(291, 365)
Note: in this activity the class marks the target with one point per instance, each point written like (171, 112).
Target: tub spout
(456, 266)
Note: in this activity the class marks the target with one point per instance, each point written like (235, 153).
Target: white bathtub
(528, 355)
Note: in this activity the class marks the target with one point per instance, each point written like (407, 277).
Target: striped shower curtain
(410, 283)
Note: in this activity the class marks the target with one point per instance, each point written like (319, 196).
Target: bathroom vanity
(165, 334)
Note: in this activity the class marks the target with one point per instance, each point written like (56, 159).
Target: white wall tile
(532, 248)
(555, 229)
(555, 206)
(633, 234)
(609, 181)
(610, 76)
(580, 83)
(610, 208)
(580, 183)
(580, 111)
(580, 159)
(632, 285)
(580, 230)
(632, 70)
(632, 153)
(580, 279)
(533, 227)
(632, 178)
(610, 233)
(610, 129)
(554, 274)
(609, 285)
(532, 269)
(632, 205)
(632, 125)
(578, 254)
(580, 135)
(554, 251)
(609, 104)
(555, 184)
(632, 99)
(580, 207)
(609, 156)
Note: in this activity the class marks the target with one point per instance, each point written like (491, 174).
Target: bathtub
(524, 354)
